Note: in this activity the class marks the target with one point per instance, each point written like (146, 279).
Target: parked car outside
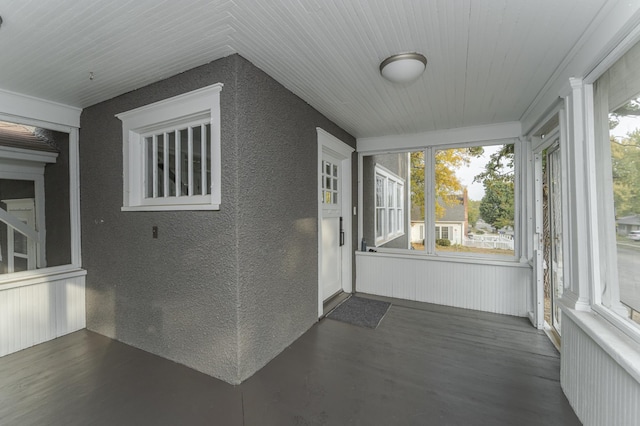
(634, 235)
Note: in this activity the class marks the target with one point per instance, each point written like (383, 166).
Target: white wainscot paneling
(499, 287)
(600, 379)
(41, 310)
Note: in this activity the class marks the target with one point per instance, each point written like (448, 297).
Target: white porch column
(579, 164)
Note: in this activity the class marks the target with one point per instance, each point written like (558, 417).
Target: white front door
(334, 217)
(332, 232)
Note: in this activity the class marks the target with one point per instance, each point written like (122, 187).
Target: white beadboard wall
(492, 287)
(42, 310)
(599, 389)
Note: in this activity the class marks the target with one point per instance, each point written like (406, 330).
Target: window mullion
(165, 164)
(429, 200)
(190, 160)
(178, 162)
(386, 208)
(154, 165)
(203, 158)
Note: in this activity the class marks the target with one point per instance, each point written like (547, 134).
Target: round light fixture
(404, 67)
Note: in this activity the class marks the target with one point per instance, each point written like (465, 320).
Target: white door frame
(331, 144)
(538, 149)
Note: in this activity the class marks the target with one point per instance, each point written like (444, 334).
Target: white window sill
(421, 255)
(623, 349)
(388, 239)
(160, 208)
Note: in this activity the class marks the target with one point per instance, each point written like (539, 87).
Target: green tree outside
(625, 163)
(497, 205)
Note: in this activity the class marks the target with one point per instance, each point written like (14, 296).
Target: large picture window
(35, 221)
(475, 200)
(457, 200)
(617, 122)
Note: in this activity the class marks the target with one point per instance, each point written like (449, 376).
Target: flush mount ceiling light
(404, 67)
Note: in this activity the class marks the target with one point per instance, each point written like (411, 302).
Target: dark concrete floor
(424, 365)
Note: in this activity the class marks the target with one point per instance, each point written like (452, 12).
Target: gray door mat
(360, 311)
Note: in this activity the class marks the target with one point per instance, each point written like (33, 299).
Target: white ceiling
(487, 59)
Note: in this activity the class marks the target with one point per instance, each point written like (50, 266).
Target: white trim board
(19, 105)
(491, 132)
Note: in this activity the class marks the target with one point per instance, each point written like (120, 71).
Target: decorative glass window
(389, 197)
(172, 153)
(178, 161)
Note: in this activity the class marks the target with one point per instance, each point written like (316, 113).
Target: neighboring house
(452, 226)
(627, 224)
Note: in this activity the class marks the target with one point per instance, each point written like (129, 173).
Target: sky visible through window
(475, 190)
(626, 125)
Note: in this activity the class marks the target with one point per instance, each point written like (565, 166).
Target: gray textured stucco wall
(225, 291)
(175, 296)
(277, 234)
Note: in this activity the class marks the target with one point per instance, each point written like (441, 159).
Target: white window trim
(137, 122)
(389, 176)
(18, 108)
